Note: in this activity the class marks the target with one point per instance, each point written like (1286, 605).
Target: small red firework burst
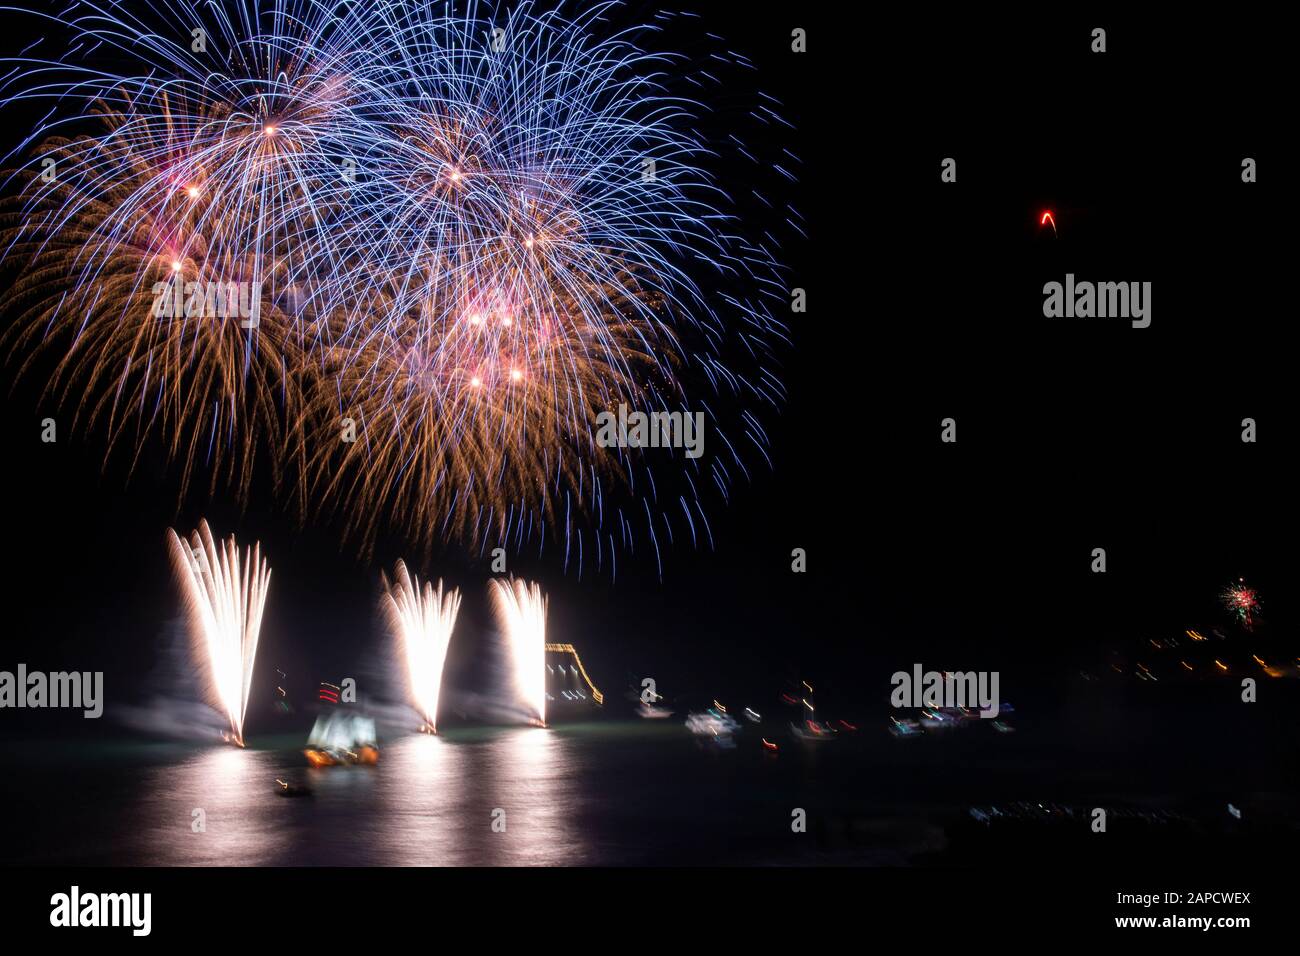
(1243, 601)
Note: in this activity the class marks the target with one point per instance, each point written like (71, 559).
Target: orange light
(176, 265)
(476, 381)
(475, 319)
(193, 192)
(516, 375)
(268, 130)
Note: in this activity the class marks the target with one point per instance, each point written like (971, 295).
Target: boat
(715, 726)
(905, 728)
(340, 739)
(813, 732)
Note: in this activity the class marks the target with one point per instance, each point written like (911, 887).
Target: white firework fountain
(521, 609)
(224, 597)
(421, 619)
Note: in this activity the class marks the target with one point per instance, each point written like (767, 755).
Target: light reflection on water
(241, 823)
(598, 793)
(429, 802)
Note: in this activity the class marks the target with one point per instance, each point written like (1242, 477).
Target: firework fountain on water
(224, 597)
(521, 610)
(421, 618)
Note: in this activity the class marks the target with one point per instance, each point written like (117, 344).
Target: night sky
(924, 302)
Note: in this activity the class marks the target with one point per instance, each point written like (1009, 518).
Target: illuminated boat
(813, 732)
(340, 739)
(714, 726)
(905, 728)
(319, 757)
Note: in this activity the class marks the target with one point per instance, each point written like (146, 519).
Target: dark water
(608, 792)
(623, 792)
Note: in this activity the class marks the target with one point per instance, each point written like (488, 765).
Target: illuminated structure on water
(568, 649)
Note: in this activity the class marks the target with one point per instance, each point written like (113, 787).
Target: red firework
(1243, 601)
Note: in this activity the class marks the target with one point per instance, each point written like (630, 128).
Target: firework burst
(470, 233)
(112, 302)
(1243, 602)
(224, 597)
(421, 618)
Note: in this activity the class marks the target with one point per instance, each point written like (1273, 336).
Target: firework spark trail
(93, 301)
(521, 610)
(421, 618)
(224, 597)
(531, 268)
(460, 246)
